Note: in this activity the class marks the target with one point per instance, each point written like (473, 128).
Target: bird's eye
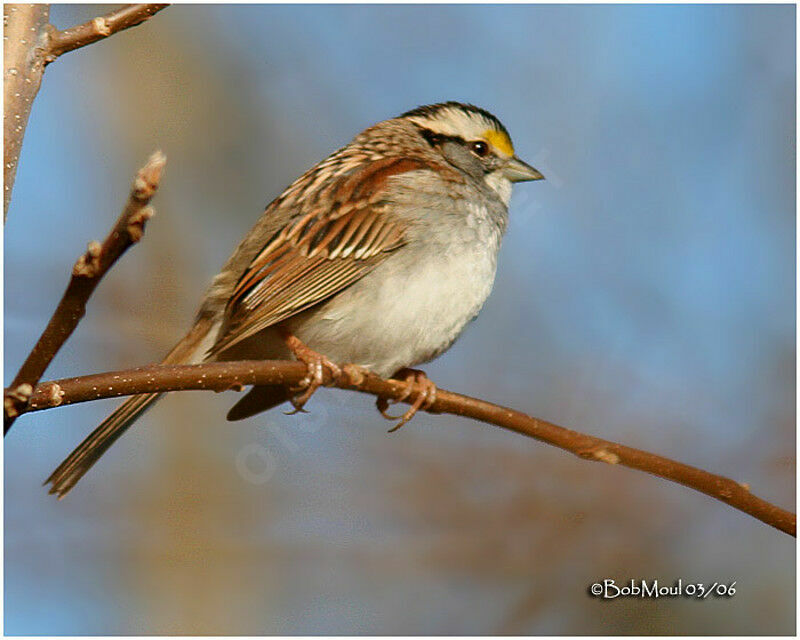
(479, 148)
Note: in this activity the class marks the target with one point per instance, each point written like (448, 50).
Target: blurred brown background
(645, 294)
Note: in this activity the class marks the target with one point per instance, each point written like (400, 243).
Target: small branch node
(101, 26)
(49, 33)
(52, 395)
(88, 265)
(599, 454)
(16, 398)
(147, 179)
(137, 221)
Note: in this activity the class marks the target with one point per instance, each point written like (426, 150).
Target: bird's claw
(425, 399)
(315, 372)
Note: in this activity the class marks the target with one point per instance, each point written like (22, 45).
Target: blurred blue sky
(645, 291)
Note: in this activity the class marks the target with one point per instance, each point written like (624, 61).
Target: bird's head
(474, 141)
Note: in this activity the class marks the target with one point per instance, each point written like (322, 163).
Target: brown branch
(101, 27)
(86, 274)
(220, 376)
(25, 40)
(30, 44)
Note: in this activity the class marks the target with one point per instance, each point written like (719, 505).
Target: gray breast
(414, 305)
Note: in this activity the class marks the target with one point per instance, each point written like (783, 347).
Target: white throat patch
(500, 184)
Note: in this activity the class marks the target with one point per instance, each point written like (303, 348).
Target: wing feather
(320, 251)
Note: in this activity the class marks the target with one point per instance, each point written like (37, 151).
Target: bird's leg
(426, 396)
(315, 372)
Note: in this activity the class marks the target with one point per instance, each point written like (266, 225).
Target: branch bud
(89, 263)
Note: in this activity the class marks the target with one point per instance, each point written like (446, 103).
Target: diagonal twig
(30, 43)
(130, 15)
(86, 274)
(220, 376)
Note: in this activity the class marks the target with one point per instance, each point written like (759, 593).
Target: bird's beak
(518, 171)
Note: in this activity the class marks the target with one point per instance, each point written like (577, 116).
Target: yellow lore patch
(500, 141)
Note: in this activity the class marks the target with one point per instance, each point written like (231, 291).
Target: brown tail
(97, 443)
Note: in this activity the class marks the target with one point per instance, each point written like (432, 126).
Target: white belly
(402, 314)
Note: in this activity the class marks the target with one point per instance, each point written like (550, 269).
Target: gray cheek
(459, 156)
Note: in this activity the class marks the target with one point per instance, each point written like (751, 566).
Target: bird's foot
(426, 396)
(315, 370)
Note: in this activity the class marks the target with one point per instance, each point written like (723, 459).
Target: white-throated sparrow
(378, 256)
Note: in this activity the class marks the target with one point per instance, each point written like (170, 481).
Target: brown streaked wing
(319, 253)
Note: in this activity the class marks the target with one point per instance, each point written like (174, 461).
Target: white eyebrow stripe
(451, 121)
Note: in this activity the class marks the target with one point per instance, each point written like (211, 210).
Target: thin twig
(101, 27)
(30, 44)
(220, 376)
(86, 274)
(25, 40)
